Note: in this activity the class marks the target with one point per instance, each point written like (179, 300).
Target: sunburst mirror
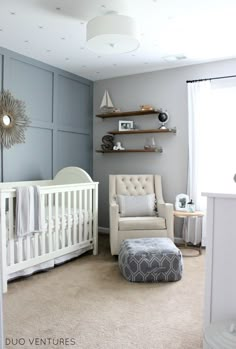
(13, 120)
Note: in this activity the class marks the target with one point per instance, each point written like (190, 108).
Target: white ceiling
(54, 31)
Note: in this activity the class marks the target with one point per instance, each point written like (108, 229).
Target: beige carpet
(87, 304)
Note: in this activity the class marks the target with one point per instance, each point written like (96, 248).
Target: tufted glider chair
(123, 227)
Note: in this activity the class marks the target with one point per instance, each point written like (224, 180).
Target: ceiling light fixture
(112, 34)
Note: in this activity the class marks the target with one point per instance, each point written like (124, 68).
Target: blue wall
(59, 105)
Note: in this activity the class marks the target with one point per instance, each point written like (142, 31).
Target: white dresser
(220, 296)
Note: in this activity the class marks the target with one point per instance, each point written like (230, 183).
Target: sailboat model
(107, 105)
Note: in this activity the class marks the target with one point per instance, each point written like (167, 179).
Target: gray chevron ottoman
(150, 260)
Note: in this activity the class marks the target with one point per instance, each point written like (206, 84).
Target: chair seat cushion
(141, 223)
(150, 260)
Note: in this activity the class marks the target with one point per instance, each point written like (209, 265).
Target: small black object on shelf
(163, 117)
(191, 206)
(107, 142)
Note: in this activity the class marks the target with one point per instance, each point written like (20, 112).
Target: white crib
(69, 204)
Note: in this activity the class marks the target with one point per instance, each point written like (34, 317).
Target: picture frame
(181, 202)
(125, 125)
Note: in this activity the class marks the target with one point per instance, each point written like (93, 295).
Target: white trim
(104, 230)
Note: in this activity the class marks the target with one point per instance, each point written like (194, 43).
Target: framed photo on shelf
(181, 202)
(125, 125)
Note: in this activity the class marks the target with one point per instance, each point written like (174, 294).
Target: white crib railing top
(69, 175)
(12, 185)
(11, 192)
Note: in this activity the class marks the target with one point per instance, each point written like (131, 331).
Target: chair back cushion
(134, 184)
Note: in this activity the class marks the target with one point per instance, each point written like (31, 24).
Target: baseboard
(103, 230)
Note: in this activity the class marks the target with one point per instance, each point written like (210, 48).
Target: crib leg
(95, 248)
(95, 220)
(4, 284)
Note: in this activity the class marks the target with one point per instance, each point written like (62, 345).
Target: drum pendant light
(112, 34)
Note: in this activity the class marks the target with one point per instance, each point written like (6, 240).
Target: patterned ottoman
(150, 260)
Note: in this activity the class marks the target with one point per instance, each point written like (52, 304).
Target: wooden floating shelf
(129, 132)
(128, 113)
(157, 150)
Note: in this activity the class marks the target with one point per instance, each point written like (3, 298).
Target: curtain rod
(216, 78)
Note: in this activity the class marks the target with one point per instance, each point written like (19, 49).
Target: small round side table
(186, 214)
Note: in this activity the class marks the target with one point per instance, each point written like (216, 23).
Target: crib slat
(12, 251)
(90, 214)
(49, 222)
(74, 217)
(20, 250)
(43, 240)
(26, 247)
(95, 219)
(85, 214)
(11, 232)
(56, 222)
(11, 218)
(62, 219)
(36, 244)
(69, 218)
(80, 216)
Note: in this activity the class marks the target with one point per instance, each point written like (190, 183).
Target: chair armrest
(114, 216)
(114, 221)
(166, 210)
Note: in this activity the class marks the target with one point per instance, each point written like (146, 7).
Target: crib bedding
(81, 216)
(68, 218)
(48, 265)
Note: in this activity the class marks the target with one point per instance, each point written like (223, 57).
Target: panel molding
(8, 53)
(41, 124)
(83, 131)
(51, 121)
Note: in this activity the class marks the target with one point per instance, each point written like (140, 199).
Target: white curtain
(199, 108)
(212, 144)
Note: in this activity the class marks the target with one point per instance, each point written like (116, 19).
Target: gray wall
(59, 105)
(162, 89)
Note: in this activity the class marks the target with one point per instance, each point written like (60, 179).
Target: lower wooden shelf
(135, 132)
(157, 150)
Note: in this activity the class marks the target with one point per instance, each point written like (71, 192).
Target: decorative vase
(191, 206)
(150, 143)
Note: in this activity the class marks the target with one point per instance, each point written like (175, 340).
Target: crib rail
(69, 225)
